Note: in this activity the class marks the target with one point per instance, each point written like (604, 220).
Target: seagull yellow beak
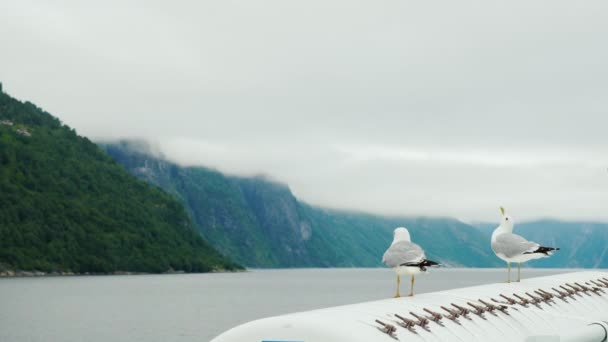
(502, 211)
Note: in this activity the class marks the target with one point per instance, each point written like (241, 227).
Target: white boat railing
(566, 307)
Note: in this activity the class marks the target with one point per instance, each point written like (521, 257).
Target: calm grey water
(195, 307)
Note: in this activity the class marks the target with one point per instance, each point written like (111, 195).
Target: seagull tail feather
(422, 264)
(429, 263)
(544, 250)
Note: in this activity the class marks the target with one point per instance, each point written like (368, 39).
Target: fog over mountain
(392, 107)
(260, 223)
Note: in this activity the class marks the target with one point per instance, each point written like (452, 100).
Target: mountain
(67, 206)
(259, 222)
(582, 244)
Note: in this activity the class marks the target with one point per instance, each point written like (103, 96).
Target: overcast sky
(448, 108)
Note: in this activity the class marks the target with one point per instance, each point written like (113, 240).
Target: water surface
(195, 307)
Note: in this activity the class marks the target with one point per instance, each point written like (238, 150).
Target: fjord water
(196, 307)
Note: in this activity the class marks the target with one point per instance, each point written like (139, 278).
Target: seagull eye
(506, 218)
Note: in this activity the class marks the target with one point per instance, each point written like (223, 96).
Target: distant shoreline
(35, 273)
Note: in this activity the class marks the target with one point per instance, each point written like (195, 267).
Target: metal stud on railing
(407, 323)
(500, 301)
(387, 328)
(546, 296)
(535, 300)
(422, 322)
(591, 288)
(522, 301)
(453, 314)
(560, 294)
(435, 317)
(491, 308)
(595, 289)
(478, 310)
(582, 287)
(503, 306)
(570, 292)
(576, 289)
(604, 282)
(598, 284)
(579, 289)
(462, 311)
(509, 300)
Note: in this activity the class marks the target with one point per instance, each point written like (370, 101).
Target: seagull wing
(512, 245)
(403, 252)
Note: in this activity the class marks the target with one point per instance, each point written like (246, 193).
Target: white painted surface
(547, 320)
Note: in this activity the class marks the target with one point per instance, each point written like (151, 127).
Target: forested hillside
(67, 206)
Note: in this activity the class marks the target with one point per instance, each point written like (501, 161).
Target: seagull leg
(397, 295)
(412, 287)
(518, 272)
(508, 272)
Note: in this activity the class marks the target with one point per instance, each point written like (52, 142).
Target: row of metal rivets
(567, 290)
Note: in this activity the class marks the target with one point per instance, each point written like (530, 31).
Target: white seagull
(514, 248)
(405, 257)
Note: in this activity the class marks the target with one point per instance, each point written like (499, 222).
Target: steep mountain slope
(261, 224)
(582, 244)
(216, 203)
(66, 206)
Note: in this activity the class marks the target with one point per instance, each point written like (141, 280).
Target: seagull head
(507, 221)
(401, 234)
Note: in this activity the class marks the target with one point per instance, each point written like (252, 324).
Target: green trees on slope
(65, 205)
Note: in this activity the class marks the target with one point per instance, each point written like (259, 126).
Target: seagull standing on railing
(405, 257)
(514, 248)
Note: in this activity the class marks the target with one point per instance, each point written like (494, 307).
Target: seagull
(514, 248)
(405, 257)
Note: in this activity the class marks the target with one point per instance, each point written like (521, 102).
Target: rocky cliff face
(277, 218)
